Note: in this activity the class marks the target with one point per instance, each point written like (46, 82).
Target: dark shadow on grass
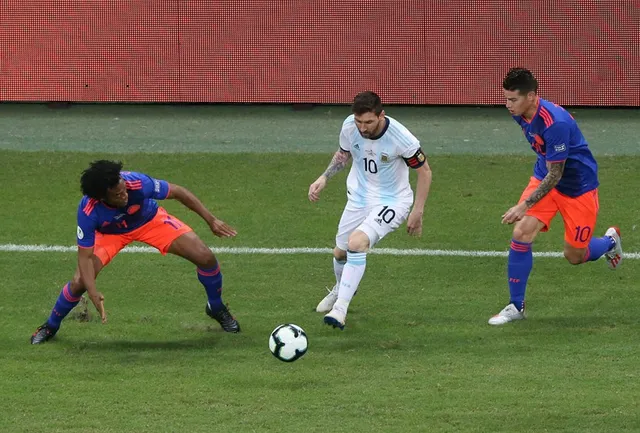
(205, 343)
(583, 322)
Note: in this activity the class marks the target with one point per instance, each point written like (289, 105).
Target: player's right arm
(338, 163)
(88, 276)
(87, 225)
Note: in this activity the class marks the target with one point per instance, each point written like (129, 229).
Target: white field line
(15, 248)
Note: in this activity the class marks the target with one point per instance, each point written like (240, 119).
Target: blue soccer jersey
(94, 215)
(555, 137)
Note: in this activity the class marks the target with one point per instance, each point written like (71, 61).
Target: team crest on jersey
(80, 233)
(133, 209)
(384, 157)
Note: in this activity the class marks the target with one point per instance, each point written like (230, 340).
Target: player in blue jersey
(565, 180)
(120, 207)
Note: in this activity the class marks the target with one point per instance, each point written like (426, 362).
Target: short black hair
(99, 177)
(366, 102)
(521, 80)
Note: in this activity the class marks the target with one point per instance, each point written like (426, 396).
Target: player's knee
(77, 286)
(358, 243)
(521, 235)
(206, 259)
(574, 257)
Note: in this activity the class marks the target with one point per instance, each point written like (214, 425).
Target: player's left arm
(556, 138)
(190, 201)
(418, 161)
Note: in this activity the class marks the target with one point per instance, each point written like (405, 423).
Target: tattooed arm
(338, 162)
(549, 182)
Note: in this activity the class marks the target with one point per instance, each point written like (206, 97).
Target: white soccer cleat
(336, 318)
(327, 303)
(508, 314)
(614, 255)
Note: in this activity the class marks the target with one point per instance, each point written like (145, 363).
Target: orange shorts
(579, 213)
(160, 233)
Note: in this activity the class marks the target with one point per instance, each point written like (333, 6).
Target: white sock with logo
(351, 276)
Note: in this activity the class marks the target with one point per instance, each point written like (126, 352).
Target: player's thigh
(544, 210)
(191, 247)
(579, 215)
(382, 220)
(106, 247)
(163, 231)
(351, 218)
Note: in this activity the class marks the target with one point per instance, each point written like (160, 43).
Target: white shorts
(376, 221)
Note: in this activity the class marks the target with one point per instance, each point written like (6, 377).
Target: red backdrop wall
(584, 52)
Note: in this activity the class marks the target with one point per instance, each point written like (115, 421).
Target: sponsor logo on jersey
(156, 186)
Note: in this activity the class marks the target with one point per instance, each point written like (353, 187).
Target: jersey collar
(386, 126)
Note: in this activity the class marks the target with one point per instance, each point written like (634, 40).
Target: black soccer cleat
(224, 318)
(43, 333)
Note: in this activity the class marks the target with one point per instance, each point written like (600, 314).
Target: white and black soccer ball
(288, 342)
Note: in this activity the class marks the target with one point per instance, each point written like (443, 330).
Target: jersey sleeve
(86, 230)
(154, 188)
(556, 138)
(345, 142)
(410, 150)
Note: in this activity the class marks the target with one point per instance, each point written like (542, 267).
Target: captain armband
(417, 160)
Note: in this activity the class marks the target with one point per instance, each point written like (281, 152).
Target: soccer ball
(288, 342)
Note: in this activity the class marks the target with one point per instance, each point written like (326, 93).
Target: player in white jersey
(379, 196)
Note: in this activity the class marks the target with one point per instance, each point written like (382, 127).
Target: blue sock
(518, 270)
(65, 303)
(211, 279)
(597, 247)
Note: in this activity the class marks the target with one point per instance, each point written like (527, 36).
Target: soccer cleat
(614, 255)
(508, 314)
(224, 318)
(43, 333)
(327, 303)
(335, 318)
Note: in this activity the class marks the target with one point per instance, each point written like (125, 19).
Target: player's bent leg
(574, 255)
(519, 267)
(69, 297)
(339, 260)
(192, 248)
(357, 248)
(609, 246)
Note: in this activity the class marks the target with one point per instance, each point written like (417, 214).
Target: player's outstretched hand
(316, 187)
(98, 301)
(414, 224)
(222, 229)
(514, 214)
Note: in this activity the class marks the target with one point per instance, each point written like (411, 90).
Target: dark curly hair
(99, 177)
(366, 102)
(521, 80)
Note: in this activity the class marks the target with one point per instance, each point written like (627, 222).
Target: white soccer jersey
(379, 174)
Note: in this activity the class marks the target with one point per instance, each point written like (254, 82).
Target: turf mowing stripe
(15, 248)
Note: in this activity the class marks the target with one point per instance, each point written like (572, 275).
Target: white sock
(351, 276)
(338, 267)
